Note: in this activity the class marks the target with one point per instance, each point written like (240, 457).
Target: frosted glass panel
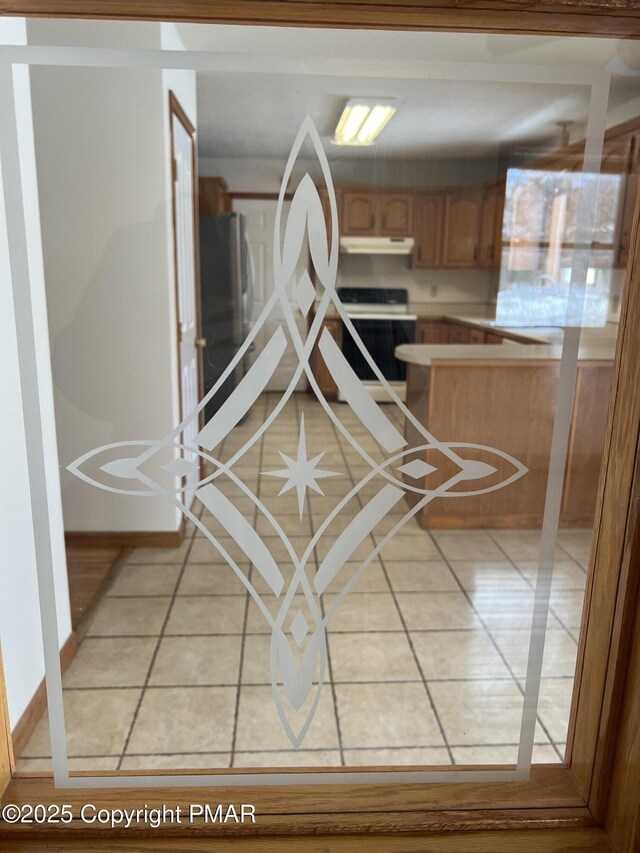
(307, 496)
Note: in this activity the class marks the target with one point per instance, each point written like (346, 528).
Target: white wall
(20, 630)
(430, 285)
(103, 173)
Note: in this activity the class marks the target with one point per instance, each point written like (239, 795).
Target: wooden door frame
(571, 805)
(177, 112)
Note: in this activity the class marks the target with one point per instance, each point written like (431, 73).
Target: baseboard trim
(38, 705)
(125, 538)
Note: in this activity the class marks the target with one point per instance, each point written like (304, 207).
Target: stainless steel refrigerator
(226, 297)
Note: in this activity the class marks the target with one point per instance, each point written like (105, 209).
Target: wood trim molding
(125, 538)
(548, 798)
(546, 840)
(176, 111)
(7, 761)
(612, 577)
(602, 729)
(617, 777)
(249, 196)
(38, 704)
(612, 18)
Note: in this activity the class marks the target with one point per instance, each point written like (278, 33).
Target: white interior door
(260, 217)
(186, 290)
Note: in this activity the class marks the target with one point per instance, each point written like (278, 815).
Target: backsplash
(430, 285)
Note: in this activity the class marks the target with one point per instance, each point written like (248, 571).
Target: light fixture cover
(363, 119)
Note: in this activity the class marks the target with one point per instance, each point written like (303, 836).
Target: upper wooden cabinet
(396, 214)
(461, 227)
(428, 229)
(491, 226)
(360, 213)
(371, 213)
(326, 209)
(213, 196)
(467, 227)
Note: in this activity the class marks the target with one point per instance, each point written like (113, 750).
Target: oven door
(380, 334)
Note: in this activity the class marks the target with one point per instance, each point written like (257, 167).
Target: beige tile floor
(427, 655)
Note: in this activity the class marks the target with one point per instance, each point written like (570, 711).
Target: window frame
(600, 776)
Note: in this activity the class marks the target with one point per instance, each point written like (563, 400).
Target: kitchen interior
(460, 207)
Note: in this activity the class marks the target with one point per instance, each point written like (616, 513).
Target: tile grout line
(247, 602)
(156, 650)
(354, 683)
(326, 638)
(532, 587)
(491, 639)
(404, 625)
(551, 610)
(278, 751)
(417, 661)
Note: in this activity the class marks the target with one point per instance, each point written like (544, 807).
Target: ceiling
(270, 78)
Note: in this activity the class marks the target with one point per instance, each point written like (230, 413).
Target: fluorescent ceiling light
(362, 121)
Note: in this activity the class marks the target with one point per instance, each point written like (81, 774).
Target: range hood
(377, 245)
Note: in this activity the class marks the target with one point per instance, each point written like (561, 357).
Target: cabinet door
(324, 199)
(213, 196)
(360, 213)
(490, 338)
(458, 334)
(428, 230)
(461, 235)
(432, 332)
(488, 230)
(395, 214)
(477, 336)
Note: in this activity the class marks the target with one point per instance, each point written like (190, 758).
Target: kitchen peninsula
(506, 397)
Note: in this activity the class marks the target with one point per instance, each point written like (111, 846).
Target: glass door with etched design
(362, 553)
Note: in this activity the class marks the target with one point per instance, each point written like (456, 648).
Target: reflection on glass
(540, 248)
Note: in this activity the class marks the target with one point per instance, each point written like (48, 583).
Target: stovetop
(374, 300)
(373, 296)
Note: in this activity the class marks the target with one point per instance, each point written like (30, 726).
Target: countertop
(596, 344)
(546, 342)
(425, 354)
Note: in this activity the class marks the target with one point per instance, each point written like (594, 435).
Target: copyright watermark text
(153, 817)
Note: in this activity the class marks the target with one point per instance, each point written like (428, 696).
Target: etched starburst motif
(301, 473)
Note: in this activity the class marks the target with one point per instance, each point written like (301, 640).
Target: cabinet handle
(372, 222)
(419, 253)
(384, 221)
(475, 254)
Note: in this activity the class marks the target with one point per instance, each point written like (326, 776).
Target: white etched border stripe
(354, 534)
(243, 533)
(357, 396)
(246, 393)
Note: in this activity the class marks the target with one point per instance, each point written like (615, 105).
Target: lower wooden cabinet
(459, 334)
(491, 338)
(431, 332)
(477, 336)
